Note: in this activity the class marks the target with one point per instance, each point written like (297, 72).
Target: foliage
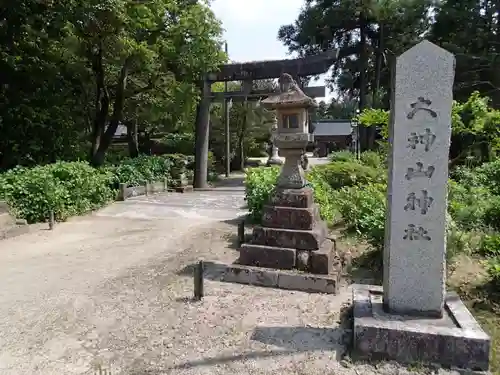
(66, 188)
(372, 159)
(371, 117)
(259, 185)
(261, 182)
(176, 143)
(474, 128)
(342, 156)
(345, 174)
(323, 195)
(490, 245)
(363, 209)
(468, 204)
(74, 70)
(142, 169)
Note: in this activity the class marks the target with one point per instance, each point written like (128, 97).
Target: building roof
(332, 127)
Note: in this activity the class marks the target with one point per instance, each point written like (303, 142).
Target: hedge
(74, 188)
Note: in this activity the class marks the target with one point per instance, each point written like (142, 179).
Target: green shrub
(142, 169)
(372, 159)
(323, 195)
(492, 213)
(346, 174)
(342, 156)
(178, 143)
(493, 268)
(259, 185)
(459, 241)
(468, 177)
(489, 175)
(490, 245)
(363, 209)
(469, 204)
(67, 188)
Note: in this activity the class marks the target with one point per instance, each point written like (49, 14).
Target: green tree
(470, 29)
(364, 32)
(43, 115)
(142, 48)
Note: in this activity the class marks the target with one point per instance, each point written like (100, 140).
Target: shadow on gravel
(291, 340)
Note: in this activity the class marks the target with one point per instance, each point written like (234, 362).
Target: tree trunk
(363, 62)
(133, 144)
(107, 137)
(202, 133)
(101, 103)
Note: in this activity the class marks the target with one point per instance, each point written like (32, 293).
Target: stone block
(325, 260)
(288, 280)
(290, 217)
(246, 275)
(290, 238)
(299, 198)
(267, 256)
(454, 340)
(309, 283)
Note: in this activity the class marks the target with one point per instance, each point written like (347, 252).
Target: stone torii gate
(247, 73)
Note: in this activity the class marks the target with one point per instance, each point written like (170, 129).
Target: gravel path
(113, 289)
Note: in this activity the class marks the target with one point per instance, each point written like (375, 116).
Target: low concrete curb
(272, 278)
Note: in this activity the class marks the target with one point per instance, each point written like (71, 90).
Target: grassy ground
(466, 275)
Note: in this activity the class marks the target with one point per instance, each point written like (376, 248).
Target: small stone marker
(414, 256)
(198, 281)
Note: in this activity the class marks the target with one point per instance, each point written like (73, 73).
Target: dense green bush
(178, 144)
(259, 185)
(144, 168)
(372, 159)
(67, 188)
(363, 209)
(468, 204)
(342, 156)
(490, 245)
(345, 174)
(323, 195)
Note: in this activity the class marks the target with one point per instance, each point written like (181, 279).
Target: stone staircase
(292, 236)
(10, 226)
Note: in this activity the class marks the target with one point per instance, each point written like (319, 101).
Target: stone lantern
(292, 112)
(292, 234)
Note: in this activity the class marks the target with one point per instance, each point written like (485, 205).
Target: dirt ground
(113, 290)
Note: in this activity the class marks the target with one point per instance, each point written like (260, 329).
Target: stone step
(275, 278)
(322, 261)
(290, 217)
(290, 238)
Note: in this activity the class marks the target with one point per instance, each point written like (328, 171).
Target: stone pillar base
(455, 340)
(292, 236)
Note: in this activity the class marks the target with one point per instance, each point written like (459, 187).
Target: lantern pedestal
(292, 234)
